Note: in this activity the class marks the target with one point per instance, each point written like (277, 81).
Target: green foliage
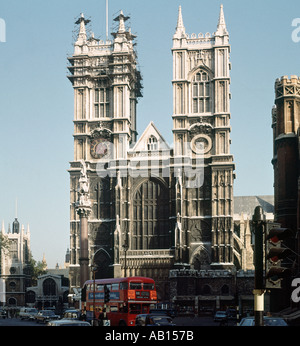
(35, 269)
(4, 243)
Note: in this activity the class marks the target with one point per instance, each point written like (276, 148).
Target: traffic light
(83, 294)
(275, 253)
(106, 294)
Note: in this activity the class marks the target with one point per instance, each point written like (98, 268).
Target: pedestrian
(101, 318)
(83, 315)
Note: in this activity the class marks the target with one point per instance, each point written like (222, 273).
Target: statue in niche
(201, 260)
(83, 188)
(117, 240)
(196, 232)
(199, 231)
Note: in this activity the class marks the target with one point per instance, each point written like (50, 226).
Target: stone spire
(121, 23)
(221, 29)
(180, 29)
(81, 39)
(121, 19)
(44, 262)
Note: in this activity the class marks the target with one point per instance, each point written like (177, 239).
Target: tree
(4, 247)
(35, 269)
(4, 242)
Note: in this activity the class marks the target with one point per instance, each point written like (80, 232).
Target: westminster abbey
(152, 208)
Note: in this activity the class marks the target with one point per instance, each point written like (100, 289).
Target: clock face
(201, 144)
(100, 148)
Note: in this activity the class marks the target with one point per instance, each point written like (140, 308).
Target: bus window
(145, 309)
(124, 309)
(148, 287)
(123, 285)
(100, 287)
(115, 287)
(135, 285)
(134, 308)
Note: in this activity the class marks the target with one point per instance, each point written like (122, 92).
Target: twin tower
(137, 205)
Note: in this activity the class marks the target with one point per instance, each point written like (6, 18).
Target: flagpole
(106, 20)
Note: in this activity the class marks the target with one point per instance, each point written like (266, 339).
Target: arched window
(201, 93)
(206, 290)
(30, 297)
(152, 143)
(12, 301)
(12, 286)
(150, 226)
(225, 289)
(49, 287)
(102, 263)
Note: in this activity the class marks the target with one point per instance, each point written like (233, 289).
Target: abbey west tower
(152, 207)
(202, 117)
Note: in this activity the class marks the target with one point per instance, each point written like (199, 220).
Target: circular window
(12, 285)
(201, 144)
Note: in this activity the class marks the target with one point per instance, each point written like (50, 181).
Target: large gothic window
(49, 287)
(201, 93)
(150, 217)
(101, 103)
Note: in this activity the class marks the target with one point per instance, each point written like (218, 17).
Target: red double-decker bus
(128, 297)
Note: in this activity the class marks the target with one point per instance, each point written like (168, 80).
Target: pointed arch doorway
(102, 264)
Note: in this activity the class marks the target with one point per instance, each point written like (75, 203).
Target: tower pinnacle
(221, 29)
(82, 32)
(180, 29)
(121, 19)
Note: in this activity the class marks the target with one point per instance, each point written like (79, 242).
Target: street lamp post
(94, 270)
(125, 248)
(259, 287)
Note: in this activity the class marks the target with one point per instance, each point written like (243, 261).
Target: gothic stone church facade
(152, 208)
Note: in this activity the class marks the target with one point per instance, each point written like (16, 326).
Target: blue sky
(36, 98)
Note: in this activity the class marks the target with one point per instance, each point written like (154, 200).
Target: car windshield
(158, 319)
(48, 312)
(247, 322)
(274, 322)
(267, 322)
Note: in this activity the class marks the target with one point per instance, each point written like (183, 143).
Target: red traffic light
(277, 273)
(277, 234)
(277, 254)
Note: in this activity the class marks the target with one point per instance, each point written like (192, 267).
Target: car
(72, 314)
(220, 316)
(68, 323)
(3, 313)
(231, 314)
(153, 320)
(169, 312)
(268, 321)
(45, 316)
(28, 313)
